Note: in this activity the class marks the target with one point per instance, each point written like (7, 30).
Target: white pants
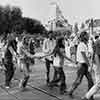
(96, 86)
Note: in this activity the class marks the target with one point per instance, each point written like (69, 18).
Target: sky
(73, 10)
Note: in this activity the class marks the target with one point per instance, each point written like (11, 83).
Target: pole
(91, 26)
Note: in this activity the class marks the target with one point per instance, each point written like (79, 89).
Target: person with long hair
(24, 64)
(58, 63)
(25, 56)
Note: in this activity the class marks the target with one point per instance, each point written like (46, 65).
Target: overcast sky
(73, 10)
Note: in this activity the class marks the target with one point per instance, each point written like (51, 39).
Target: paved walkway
(36, 88)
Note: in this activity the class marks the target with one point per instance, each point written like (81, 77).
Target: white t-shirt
(56, 61)
(48, 47)
(81, 48)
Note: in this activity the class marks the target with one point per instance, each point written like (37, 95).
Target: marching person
(19, 45)
(96, 86)
(48, 46)
(83, 64)
(25, 56)
(32, 51)
(24, 63)
(10, 51)
(58, 63)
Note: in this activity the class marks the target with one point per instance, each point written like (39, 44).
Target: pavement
(37, 88)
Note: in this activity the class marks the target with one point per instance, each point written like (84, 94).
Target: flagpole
(91, 27)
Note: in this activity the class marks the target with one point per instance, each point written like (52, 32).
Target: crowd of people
(55, 51)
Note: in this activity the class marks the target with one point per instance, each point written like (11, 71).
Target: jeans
(26, 74)
(9, 73)
(48, 62)
(82, 71)
(59, 77)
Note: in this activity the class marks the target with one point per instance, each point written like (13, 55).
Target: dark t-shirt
(8, 56)
(13, 43)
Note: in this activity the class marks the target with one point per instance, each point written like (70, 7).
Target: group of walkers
(15, 50)
(87, 54)
(54, 49)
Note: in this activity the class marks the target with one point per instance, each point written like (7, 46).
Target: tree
(8, 18)
(16, 13)
(11, 20)
(33, 26)
(2, 19)
(18, 26)
(16, 16)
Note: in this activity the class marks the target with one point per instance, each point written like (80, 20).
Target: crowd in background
(20, 51)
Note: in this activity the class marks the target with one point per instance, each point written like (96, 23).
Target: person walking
(24, 64)
(83, 64)
(58, 63)
(48, 46)
(10, 51)
(96, 86)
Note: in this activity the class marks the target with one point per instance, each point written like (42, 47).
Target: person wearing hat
(58, 62)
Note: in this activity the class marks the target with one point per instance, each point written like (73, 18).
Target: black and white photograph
(49, 50)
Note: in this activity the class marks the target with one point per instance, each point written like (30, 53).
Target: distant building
(56, 21)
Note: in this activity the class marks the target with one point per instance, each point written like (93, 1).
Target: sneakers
(23, 82)
(7, 87)
(21, 85)
(84, 98)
